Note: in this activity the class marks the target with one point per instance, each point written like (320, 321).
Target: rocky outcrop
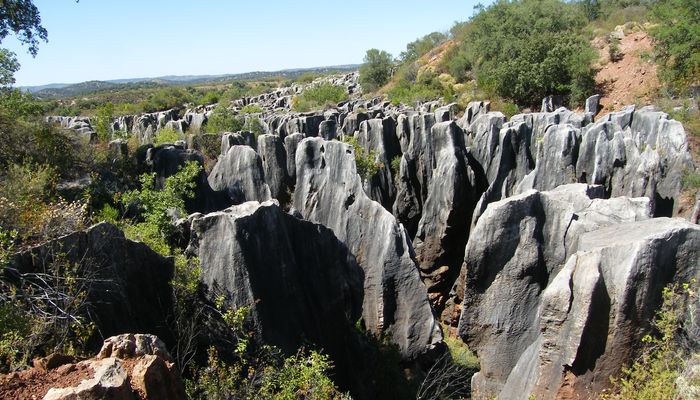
(166, 160)
(329, 191)
(442, 230)
(128, 288)
(129, 367)
(239, 174)
(274, 161)
(243, 138)
(636, 153)
(302, 284)
(520, 265)
(555, 164)
(377, 137)
(587, 332)
(291, 143)
(414, 173)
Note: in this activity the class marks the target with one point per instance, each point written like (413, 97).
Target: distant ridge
(59, 90)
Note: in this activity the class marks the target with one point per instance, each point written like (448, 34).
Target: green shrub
(319, 96)
(677, 38)
(223, 120)
(524, 61)
(421, 46)
(103, 121)
(365, 162)
(654, 374)
(614, 52)
(154, 205)
(166, 136)
(252, 109)
(428, 87)
(376, 70)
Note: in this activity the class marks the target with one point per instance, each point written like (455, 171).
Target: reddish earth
(633, 79)
(35, 383)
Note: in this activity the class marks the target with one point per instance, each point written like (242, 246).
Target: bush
(428, 87)
(614, 52)
(525, 61)
(252, 109)
(654, 374)
(166, 135)
(156, 206)
(421, 46)
(319, 96)
(365, 162)
(223, 120)
(677, 37)
(376, 70)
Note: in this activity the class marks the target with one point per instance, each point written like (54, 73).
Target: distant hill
(62, 90)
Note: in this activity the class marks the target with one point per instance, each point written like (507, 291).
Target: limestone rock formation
(378, 136)
(239, 173)
(531, 255)
(130, 290)
(274, 160)
(329, 191)
(303, 285)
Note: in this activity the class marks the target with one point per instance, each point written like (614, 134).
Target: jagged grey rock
(329, 191)
(274, 161)
(239, 173)
(555, 164)
(587, 332)
(244, 138)
(443, 229)
(637, 153)
(516, 249)
(302, 284)
(378, 137)
(414, 173)
(130, 287)
(291, 143)
(593, 104)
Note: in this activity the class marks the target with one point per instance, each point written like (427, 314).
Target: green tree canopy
(22, 18)
(376, 70)
(524, 50)
(419, 47)
(678, 41)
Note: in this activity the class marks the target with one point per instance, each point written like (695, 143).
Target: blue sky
(112, 39)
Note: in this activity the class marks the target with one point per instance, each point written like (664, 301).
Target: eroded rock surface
(329, 191)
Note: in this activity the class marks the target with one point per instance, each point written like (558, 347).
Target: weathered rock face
(443, 229)
(556, 159)
(636, 153)
(329, 191)
(274, 160)
(414, 173)
(601, 303)
(244, 138)
(239, 173)
(130, 291)
(166, 160)
(379, 136)
(302, 283)
(290, 146)
(523, 247)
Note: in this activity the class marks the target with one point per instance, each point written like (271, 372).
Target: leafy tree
(22, 18)
(8, 67)
(525, 50)
(421, 46)
(104, 118)
(376, 70)
(223, 120)
(677, 39)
